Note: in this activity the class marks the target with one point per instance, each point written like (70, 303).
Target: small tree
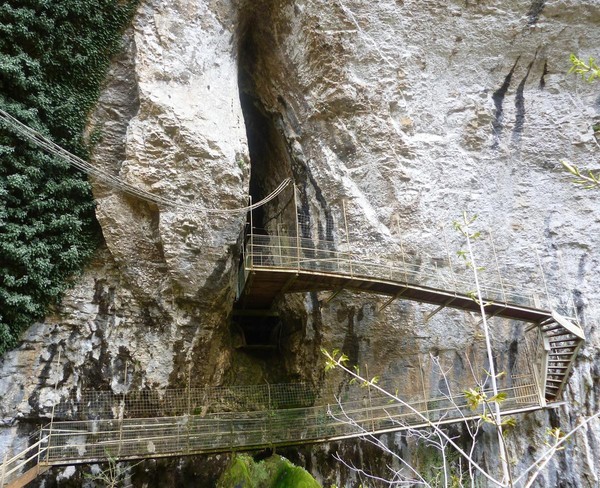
(589, 72)
(436, 436)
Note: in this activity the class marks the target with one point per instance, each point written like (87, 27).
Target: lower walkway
(238, 418)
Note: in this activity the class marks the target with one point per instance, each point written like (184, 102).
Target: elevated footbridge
(152, 423)
(273, 265)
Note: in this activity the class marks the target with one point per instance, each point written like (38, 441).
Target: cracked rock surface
(400, 115)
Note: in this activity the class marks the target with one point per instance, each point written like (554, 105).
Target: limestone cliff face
(405, 114)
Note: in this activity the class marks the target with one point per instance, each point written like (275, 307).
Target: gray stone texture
(407, 113)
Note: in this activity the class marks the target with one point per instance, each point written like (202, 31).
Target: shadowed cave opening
(270, 162)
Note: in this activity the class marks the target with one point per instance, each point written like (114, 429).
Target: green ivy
(54, 55)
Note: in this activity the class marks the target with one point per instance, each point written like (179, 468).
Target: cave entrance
(255, 326)
(256, 330)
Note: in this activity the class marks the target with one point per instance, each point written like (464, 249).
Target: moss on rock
(273, 472)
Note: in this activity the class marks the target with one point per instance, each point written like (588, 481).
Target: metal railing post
(347, 238)
(122, 410)
(270, 416)
(298, 242)
(403, 260)
(251, 254)
(2, 473)
(39, 447)
(544, 365)
(539, 260)
(561, 267)
(189, 407)
(539, 376)
(497, 266)
(370, 400)
(425, 395)
(449, 259)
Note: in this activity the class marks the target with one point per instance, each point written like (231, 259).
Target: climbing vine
(53, 57)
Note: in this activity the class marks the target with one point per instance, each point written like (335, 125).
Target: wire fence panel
(192, 401)
(359, 413)
(292, 252)
(175, 422)
(196, 420)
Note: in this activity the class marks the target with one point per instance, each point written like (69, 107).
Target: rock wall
(403, 114)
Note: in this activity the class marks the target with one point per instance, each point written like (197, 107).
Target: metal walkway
(273, 265)
(170, 424)
(150, 424)
(243, 418)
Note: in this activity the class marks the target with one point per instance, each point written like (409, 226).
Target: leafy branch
(477, 397)
(337, 359)
(589, 181)
(588, 71)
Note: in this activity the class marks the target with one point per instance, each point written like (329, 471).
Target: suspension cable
(52, 148)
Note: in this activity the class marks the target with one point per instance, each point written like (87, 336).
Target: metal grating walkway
(285, 264)
(152, 423)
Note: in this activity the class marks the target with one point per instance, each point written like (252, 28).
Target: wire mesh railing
(25, 457)
(191, 401)
(291, 252)
(176, 422)
(352, 414)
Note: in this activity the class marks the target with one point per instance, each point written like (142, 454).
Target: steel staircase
(562, 340)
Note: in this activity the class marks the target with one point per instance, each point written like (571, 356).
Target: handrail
(571, 327)
(17, 463)
(281, 252)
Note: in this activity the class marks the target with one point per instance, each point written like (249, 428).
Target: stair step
(28, 476)
(554, 380)
(550, 328)
(567, 346)
(565, 333)
(555, 354)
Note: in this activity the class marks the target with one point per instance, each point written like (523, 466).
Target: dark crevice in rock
(513, 353)
(269, 158)
(534, 12)
(543, 77)
(97, 370)
(273, 128)
(351, 346)
(498, 99)
(520, 106)
(327, 233)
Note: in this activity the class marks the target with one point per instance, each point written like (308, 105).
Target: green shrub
(273, 472)
(53, 57)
